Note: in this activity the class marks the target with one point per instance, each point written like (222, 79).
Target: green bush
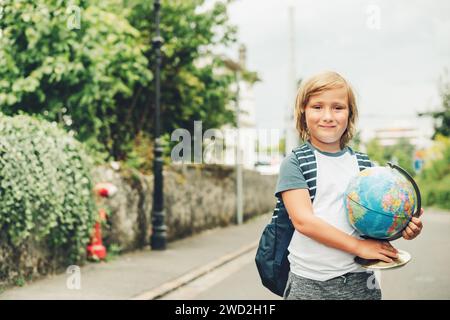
(434, 180)
(437, 194)
(45, 186)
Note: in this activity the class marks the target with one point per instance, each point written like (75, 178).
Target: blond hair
(317, 84)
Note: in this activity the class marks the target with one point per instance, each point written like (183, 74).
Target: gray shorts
(350, 286)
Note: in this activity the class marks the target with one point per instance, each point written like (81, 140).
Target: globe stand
(403, 256)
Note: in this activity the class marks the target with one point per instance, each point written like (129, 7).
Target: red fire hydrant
(96, 250)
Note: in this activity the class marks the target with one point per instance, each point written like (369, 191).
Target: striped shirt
(330, 177)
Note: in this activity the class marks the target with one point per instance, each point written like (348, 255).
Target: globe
(380, 202)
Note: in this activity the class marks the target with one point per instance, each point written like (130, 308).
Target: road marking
(170, 286)
(203, 283)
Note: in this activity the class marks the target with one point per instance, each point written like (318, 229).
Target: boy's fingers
(405, 235)
(412, 226)
(384, 258)
(417, 222)
(409, 232)
(389, 246)
(389, 254)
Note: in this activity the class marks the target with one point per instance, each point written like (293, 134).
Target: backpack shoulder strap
(308, 167)
(363, 161)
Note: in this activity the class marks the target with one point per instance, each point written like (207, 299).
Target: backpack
(271, 255)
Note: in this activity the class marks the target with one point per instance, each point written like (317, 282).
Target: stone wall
(196, 197)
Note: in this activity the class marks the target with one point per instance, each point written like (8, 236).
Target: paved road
(426, 276)
(235, 280)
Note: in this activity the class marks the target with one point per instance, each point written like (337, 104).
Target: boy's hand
(414, 227)
(376, 249)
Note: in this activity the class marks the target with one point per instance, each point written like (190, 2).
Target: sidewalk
(147, 274)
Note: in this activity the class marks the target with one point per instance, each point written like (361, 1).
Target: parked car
(267, 167)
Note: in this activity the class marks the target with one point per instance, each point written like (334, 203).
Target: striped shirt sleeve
(290, 176)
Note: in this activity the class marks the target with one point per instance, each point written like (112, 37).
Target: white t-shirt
(309, 258)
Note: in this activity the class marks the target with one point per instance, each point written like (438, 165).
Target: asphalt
(148, 274)
(212, 259)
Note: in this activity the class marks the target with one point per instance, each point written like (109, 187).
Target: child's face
(327, 116)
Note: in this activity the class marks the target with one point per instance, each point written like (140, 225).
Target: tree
(401, 153)
(375, 151)
(192, 89)
(355, 143)
(281, 148)
(97, 80)
(441, 117)
(434, 179)
(83, 76)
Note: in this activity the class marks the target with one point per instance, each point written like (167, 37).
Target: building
(247, 132)
(246, 122)
(390, 136)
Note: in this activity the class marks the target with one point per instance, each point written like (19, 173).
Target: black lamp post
(159, 235)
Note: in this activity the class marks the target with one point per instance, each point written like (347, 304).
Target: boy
(324, 245)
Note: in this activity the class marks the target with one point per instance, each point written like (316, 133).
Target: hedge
(45, 186)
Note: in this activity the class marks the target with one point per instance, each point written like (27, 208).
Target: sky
(392, 52)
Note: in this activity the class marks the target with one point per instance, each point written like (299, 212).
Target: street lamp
(237, 68)
(159, 229)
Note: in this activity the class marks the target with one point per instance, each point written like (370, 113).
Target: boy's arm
(299, 207)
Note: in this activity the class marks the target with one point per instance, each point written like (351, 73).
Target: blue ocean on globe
(380, 202)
